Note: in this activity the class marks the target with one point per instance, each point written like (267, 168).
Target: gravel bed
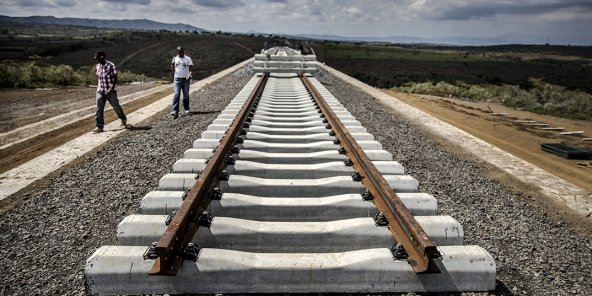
(534, 255)
(44, 247)
(47, 238)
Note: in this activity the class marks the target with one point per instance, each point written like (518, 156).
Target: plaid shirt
(107, 76)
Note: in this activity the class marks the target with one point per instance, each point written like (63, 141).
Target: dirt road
(25, 106)
(518, 139)
(22, 107)
(18, 108)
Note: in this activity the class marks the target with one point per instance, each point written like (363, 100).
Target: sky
(553, 21)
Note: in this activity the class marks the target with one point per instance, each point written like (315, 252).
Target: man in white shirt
(182, 67)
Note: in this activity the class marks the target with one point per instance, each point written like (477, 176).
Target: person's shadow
(202, 112)
(130, 127)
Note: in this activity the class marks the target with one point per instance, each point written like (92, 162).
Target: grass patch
(386, 52)
(542, 98)
(37, 74)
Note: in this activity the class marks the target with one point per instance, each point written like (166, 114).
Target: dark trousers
(102, 99)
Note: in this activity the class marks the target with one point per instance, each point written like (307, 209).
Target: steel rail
(184, 224)
(405, 229)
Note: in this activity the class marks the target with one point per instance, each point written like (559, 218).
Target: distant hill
(138, 24)
(471, 41)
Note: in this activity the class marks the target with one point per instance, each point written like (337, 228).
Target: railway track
(286, 192)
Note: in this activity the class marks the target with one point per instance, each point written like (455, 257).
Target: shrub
(36, 74)
(62, 75)
(128, 77)
(542, 98)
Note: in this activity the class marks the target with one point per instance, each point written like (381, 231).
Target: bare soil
(22, 107)
(518, 139)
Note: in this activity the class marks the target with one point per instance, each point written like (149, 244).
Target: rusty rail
(184, 224)
(405, 229)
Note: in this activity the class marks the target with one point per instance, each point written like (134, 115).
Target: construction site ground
(22, 107)
(517, 138)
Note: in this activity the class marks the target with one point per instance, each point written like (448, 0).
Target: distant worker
(182, 67)
(301, 48)
(106, 91)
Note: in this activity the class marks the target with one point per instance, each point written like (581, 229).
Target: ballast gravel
(48, 236)
(534, 255)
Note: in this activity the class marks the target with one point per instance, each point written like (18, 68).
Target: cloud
(354, 12)
(41, 3)
(29, 3)
(219, 4)
(422, 18)
(66, 3)
(179, 9)
(465, 10)
(141, 2)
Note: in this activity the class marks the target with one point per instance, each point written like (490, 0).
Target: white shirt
(182, 66)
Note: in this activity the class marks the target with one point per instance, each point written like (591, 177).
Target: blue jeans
(101, 101)
(181, 85)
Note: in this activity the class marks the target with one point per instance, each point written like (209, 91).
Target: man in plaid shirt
(106, 91)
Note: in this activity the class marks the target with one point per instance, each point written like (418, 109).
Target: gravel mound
(534, 254)
(47, 237)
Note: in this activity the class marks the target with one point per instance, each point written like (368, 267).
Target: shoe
(123, 122)
(187, 112)
(98, 130)
(174, 115)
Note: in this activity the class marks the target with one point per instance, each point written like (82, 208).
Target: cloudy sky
(559, 21)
